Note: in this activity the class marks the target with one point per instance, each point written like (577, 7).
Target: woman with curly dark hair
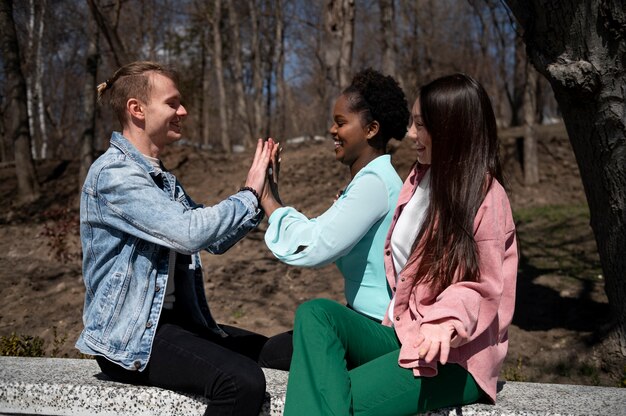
(451, 261)
(351, 233)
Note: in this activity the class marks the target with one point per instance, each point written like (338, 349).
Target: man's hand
(257, 174)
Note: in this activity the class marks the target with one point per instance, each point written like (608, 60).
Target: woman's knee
(316, 307)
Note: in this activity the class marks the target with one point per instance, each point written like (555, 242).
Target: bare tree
(580, 47)
(205, 114)
(219, 76)
(339, 26)
(240, 97)
(107, 24)
(530, 157)
(410, 68)
(436, 38)
(279, 61)
(517, 83)
(148, 10)
(16, 116)
(257, 70)
(388, 36)
(3, 144)
(89, 104)
(34, 78)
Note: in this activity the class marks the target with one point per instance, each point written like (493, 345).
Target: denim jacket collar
(129, 149)
(125, 146)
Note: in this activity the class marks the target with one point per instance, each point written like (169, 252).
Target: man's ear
(372, 129)
(135, 108)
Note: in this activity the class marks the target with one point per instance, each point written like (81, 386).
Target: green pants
(346, 364)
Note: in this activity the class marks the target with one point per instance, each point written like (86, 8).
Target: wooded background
(257, 67)
(253, 68)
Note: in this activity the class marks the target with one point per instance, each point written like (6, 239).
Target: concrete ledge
(57, 386)
(53, 386)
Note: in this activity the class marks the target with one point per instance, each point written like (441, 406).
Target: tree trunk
(16, 116)
(268, 98)
(109, 30)
(41, 116)
(257, 72)
(3, 142)
(388, 36)
(580, 47)
(147, 11)
(33, 68)
(520, 80)
(205, 115)
(219, 75)
(347, 43)
(531, 159)
(29, 74)
(339, 25)
(279, 59)
(240, 97)
(87, 151)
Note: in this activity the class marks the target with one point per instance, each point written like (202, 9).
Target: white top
(407, 227)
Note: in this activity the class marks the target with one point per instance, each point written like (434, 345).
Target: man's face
(164, 112)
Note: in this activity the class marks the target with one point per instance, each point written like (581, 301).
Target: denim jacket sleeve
(128, 200)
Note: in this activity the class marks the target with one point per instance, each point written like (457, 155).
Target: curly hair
(377, 97)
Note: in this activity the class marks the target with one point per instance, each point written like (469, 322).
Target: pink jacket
(480, 311)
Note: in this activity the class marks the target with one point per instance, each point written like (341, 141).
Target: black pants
(277, 351)
(194, 360)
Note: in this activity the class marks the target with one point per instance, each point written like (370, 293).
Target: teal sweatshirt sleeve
(294, 239)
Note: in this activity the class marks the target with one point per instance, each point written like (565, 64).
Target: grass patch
(239, 313)
(552, 213)
(514, 373)
(558, 239)
(21, 346)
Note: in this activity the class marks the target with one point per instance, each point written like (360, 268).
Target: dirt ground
(561, 320)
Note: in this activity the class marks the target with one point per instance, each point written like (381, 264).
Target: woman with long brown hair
(451, 262)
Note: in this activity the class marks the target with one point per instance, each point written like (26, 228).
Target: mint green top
(350, 233)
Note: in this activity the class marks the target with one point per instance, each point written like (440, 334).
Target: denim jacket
(131, 215)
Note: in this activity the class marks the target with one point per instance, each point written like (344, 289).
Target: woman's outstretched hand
(270, 198)
(257, 174)
(434, 340)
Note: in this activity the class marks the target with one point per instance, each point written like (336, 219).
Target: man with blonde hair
(146, 317)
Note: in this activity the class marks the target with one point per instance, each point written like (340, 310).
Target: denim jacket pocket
(107, 302)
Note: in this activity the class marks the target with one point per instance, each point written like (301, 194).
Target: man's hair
(132, 81)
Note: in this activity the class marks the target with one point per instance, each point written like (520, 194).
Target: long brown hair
(457, 113)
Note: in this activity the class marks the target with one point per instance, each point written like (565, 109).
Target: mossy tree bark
(16, 115)
(580, 47)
